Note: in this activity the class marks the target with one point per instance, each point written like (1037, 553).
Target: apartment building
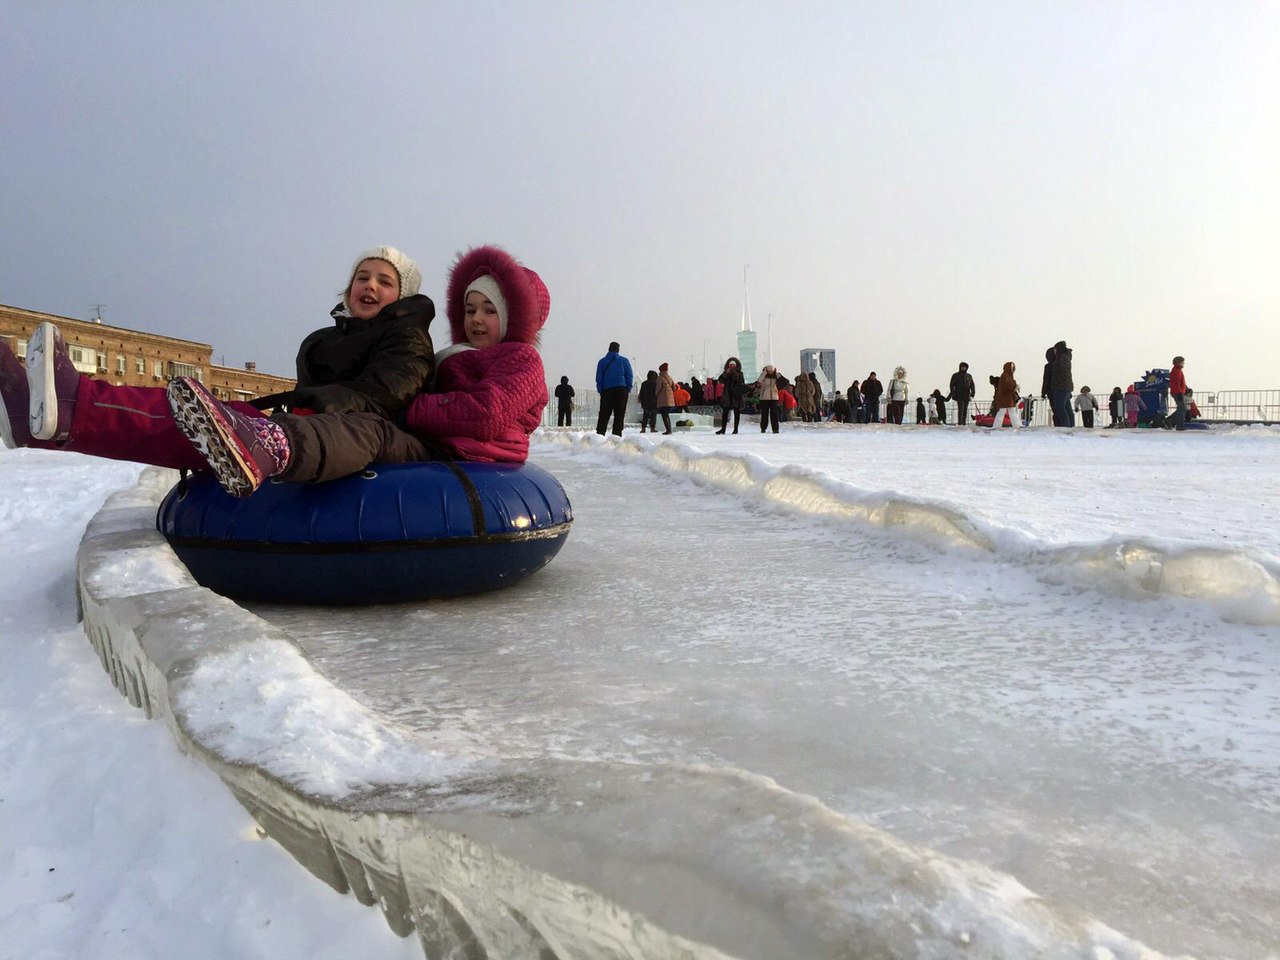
(137, 359)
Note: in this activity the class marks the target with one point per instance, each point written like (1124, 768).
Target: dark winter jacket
(735, 387)
(1046, 383)
(649, 391)
(365, 366)
(1060, 368)
(940, 403)
(564, 394)
(962, 386)
(871, 391)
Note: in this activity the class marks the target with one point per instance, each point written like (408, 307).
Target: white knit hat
(408, 272)
(488, 287)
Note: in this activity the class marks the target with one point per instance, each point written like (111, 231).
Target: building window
(119, 364)
(20, 348)
(183, 370)
(157, 371)
(102, 363)
(82, 359)
(140, 366)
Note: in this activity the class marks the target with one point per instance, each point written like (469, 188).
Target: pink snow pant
(135, 424)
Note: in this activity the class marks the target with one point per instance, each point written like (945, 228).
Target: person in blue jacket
(613, 382)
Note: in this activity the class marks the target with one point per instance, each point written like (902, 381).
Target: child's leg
(327, 446)
(135, 424)
(15, 402)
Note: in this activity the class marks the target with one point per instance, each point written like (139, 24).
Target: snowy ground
(1052, 653)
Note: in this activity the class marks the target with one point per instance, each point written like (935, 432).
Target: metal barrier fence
(1234, 406)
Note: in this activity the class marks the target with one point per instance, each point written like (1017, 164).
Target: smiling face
(481, 323)
(374, 285)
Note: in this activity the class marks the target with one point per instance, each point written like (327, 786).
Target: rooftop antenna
(97, 312)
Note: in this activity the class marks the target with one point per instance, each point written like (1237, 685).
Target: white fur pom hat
(408, 271)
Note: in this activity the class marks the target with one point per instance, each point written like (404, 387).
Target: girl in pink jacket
(490, 388)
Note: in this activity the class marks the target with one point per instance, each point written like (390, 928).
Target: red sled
(986, 419)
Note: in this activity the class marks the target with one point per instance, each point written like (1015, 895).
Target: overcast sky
(908, 183)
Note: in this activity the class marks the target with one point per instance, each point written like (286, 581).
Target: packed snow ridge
(1242, 585)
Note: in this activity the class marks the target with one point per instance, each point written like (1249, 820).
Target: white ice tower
(747, 338)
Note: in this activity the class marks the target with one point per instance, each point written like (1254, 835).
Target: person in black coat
(649, 402)
(1061, 385)
(871, 391)
(962, 390)
(564, 403)
(735, 393)
(696, 396)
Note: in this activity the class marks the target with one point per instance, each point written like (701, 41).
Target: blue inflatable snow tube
(394, 533)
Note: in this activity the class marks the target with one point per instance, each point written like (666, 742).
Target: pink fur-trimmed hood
(528, 301)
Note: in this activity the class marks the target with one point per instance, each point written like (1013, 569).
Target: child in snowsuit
(1114, 403)
(373, 359)
(1086, 403)
(1132, 404)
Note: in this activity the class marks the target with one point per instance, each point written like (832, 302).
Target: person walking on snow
(871, 391)
(768, 387)
(665, 396)
(1061, 384)
(1086, 403)
(1132, 404)
(735, 392)
(1178, 391)
(649, 402)
(614, 379)
(564, 403)
(804, 397)
(962, 389)
(899, 390)
(1006, 401)
(1114, 404)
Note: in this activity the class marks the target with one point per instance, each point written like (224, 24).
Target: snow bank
(481, 855)
(1243, 586)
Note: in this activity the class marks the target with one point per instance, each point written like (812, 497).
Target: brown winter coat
(1007, 388)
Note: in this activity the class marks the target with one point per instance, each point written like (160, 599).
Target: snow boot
(242, 451)
(53, 382)
(15, 402)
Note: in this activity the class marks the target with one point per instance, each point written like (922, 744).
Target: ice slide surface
(1116, 755)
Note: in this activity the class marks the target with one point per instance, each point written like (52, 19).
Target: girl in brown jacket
(1007, 398)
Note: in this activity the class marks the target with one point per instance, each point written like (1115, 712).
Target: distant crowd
(775, 398)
